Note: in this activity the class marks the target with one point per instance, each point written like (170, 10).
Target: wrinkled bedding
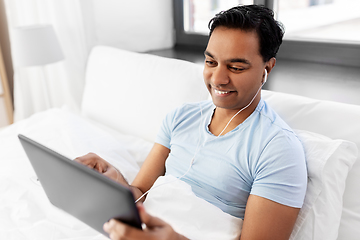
(25, 211)
(173, 201)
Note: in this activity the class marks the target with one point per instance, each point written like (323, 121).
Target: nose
(219, 76)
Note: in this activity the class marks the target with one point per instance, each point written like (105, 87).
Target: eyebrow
(232, 60)
(209, 54)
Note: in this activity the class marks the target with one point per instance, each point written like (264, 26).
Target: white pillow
(337, 121)
(132, 92)
(328, 164)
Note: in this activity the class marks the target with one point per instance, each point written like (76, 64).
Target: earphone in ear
(265, 77)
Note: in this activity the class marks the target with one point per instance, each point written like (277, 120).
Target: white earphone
(265, 78)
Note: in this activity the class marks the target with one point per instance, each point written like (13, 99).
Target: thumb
(147, 219)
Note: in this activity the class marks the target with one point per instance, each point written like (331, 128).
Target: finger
(84, 158)
(80, 159)
(109, 227)
(110, 172)
(119, 230)
(85, 161)
(89, 159)
(98, 167)
(102, 167)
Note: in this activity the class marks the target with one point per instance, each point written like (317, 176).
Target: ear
(269, 65)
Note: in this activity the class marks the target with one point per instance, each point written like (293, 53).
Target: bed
(122, 109)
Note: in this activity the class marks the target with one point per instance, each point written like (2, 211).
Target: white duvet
(27, 214)
(25, 211)
(173, 201)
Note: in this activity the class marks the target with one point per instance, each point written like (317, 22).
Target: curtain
(54, 85)
(136, 25)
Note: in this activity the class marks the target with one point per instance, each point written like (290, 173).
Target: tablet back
(79, 190)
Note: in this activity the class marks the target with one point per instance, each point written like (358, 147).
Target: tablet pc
(80, 191)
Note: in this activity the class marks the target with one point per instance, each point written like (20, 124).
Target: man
(244, 159)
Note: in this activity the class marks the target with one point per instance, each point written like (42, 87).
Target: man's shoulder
(273, 119)
(275, 129)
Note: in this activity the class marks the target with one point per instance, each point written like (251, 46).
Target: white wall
(137, 25)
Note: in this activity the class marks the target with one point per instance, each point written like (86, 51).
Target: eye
(210, 63)
(236, 69)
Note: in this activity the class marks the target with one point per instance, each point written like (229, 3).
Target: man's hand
(155, 228)
(95, 162)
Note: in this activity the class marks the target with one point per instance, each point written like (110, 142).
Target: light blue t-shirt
(261, 156)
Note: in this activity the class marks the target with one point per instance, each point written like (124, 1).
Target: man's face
(234, 69)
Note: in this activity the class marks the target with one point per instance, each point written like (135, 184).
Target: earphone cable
(198, 145)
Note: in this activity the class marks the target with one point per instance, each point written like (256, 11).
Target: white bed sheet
(173, 201)
(25, 212)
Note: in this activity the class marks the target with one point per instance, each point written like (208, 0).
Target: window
(197, 13)
(326, 31)
(320, 20)
(191, 18)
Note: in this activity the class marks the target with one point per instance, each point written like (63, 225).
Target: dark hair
(253, 18)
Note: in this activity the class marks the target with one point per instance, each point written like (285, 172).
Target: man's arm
(152, 168)
(267, 220)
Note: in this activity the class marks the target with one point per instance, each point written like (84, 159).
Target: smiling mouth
(219, 92)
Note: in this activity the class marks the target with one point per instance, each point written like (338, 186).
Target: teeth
(220, 92)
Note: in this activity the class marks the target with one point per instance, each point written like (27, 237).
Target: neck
(225, 120)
